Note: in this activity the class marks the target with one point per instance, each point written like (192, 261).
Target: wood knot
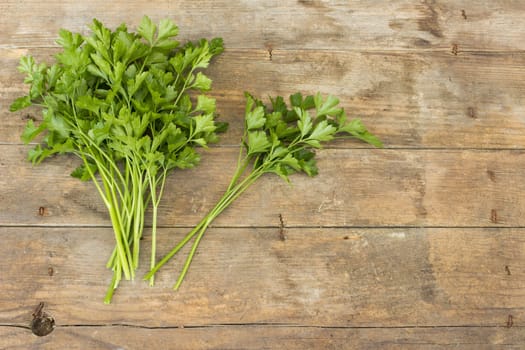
(42, 323)
(455, 49)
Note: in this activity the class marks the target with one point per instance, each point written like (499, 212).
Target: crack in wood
(282, 235)
(510, 318)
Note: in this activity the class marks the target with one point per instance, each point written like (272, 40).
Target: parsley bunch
(278, 140)
(120, 101)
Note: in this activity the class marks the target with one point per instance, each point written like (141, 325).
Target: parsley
(120, 101)
(279, 140)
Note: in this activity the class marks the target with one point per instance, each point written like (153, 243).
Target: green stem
(174, 251)
(234, 190)
(123, 252)
(111, 288)
(155, 199)
(138, 212)
(108, 201)
(228, 198)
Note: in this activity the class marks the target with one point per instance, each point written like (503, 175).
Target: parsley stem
(121, 102)
(235, 189)
(230, 196)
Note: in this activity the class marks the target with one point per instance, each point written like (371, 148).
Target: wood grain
(416, 246)
(267, 337)
(364, 188)
(413, 100)
(316, 277)
(310, 24)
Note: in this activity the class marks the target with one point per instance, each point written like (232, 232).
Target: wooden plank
(317, 25)
(362, 187)
(420, 245)
(315, 277)
(431, 100)
(266, 337)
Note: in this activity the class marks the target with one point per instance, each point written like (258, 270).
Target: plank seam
(444, 49)
(359, 148)
(265, 324)
(271, 227)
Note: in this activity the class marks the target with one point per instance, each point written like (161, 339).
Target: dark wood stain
(455, 49)
(42, 323)
(430, 20)
(471, 112)
(510, 321)
(492, 175)
(494, 216)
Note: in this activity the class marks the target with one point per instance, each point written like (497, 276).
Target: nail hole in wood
(471, 112)
(510, 321)
(455, 49)
(494, 216)
(282, 235)
(492, 175)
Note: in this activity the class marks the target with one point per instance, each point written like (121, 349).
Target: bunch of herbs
(281, 140)
(121, 102)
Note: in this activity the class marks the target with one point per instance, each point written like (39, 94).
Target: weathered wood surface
(355, 187)
(316, 277)
(414, 99)
(419, 245)
(312, 24)
(246, 337)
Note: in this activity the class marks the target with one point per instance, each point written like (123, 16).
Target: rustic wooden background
(420, 245)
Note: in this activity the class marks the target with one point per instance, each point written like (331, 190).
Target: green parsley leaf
(122, 102)
(255, 118)
(258, 142)
(323, 131)
(205, 104)
(202, 82)
(327, 107)
(20, 103)
(147, 29)
(31, 131)
(356, 128)
(280, 140)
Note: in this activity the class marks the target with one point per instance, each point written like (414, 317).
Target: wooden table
(420, 245)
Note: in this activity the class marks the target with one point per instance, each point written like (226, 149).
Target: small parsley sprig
(278, 140)
(121, 102)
